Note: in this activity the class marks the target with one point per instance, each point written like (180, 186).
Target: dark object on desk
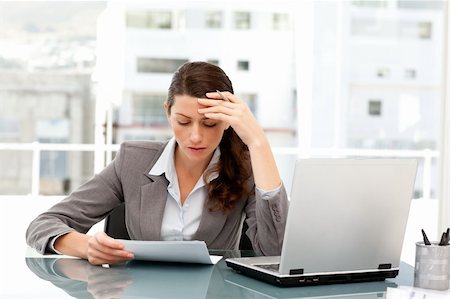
(312, 280)
(115, 227)
(253, 288)
(425, 238)
(445, 238)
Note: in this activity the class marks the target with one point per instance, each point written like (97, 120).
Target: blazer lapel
(211, 224)
(153, 199)
(153, 203)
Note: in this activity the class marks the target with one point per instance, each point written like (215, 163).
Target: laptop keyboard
(270, 267)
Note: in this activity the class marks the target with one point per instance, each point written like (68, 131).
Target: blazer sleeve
(266, 219)
(86, 206)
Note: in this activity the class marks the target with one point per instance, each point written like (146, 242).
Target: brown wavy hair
(195, 79)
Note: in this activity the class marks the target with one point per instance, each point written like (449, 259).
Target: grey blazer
(126, 179)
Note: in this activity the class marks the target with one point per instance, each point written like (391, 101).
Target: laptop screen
(347, 215)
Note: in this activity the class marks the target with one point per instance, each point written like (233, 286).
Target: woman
(216, 171)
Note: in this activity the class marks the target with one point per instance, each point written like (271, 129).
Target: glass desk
(35, 276)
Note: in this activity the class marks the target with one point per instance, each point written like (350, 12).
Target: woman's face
(197, 136)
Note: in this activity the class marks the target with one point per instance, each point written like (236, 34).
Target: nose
(196, 134)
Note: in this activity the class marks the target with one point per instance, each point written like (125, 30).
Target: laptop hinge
(295, 271)
(384, 266)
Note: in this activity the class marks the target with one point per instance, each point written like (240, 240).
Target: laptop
(346, 223)
(252, 288)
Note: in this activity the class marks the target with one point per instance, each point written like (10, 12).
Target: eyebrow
(181, 114)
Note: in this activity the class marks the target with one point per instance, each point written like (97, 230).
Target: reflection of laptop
(346, 223)
(251, 288)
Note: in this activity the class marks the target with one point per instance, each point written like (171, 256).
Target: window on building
(136, 19)
(9, 129)
(151, 136)
(150, 19)
(420, 4)
(242, 20)
(375, 107)
(388, 28)
(53, 163)
(411, 29)
(373, 27)
(383, 72)
(213, 61)
(424, 30)
(280, 21)
(243, 65)
(148, 109)
(158, 65)
(214, 19)
(250, 99)
(410, 73)
(370, 3)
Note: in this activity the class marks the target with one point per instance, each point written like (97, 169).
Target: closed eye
(209, 125)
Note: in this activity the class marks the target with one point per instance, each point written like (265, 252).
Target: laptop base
(312, 280)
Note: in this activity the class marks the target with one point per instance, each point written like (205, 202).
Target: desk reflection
(250, 288)
(135, 279)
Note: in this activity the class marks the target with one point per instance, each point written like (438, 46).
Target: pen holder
(432, 268)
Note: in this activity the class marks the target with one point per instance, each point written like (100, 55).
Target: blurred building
(394, 75)
(254, 45)
(377, 74)
(372, 86)
(391, 97)
(45, 107)
(47, 56)
(376, 77)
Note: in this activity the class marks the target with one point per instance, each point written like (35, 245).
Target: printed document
(171, 251)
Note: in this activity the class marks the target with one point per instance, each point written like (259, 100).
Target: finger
(220, 116)
(100, 258)
(96, 257)
(216, 109)
(112, 253)
(106, 240)
(229, 96)
(209, 102)
(101, 251)
(214, 95)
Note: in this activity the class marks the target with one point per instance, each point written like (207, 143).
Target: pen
(222, 95)
(444, 238)
(425, 238)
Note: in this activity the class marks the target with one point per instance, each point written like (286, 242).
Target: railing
(101, 157)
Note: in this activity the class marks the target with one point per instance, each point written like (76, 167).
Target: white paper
(171, 251)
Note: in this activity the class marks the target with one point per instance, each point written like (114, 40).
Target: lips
(197, 148)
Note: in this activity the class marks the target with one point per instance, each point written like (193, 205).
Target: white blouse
(180, 222)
